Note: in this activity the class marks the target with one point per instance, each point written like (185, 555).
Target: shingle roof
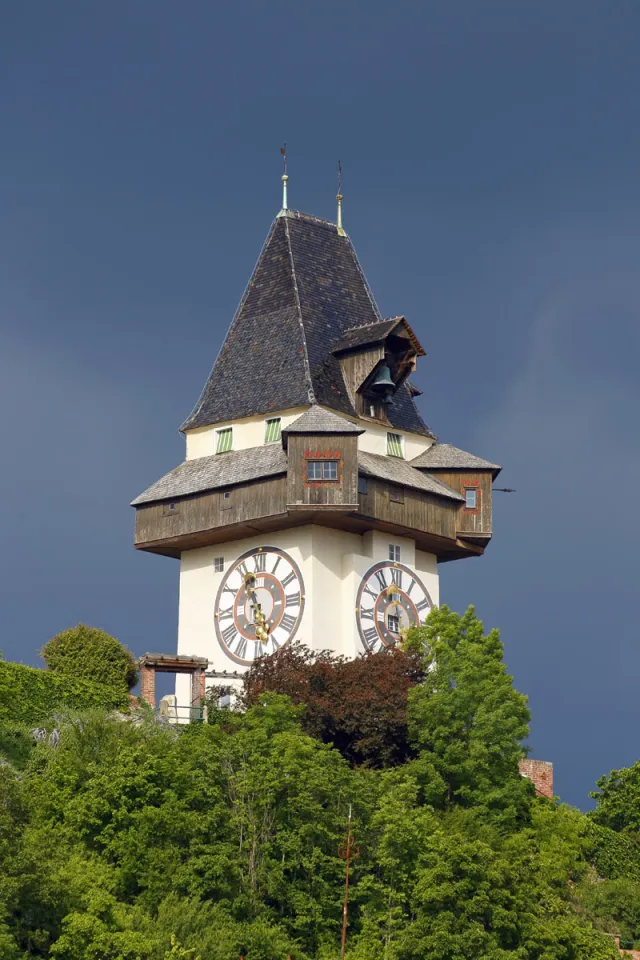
(399, 471)
(306, 290)
(362, 336)
(443, 456)
(375, 333)
(317, 420)
(219, 470)
(254, 463)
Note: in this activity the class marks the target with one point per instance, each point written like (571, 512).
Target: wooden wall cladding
(327, 494)
(478, 520)
(356, 367)
(409, 508)
(248, 501)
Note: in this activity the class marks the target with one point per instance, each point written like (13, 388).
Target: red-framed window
(472, 498)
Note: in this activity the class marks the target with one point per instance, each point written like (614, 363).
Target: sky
(491, 172)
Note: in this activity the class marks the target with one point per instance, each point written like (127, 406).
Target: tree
(91, 653)
(466, 720)
(360, 706)
(618, 800)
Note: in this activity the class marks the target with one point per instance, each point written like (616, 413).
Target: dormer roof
(306, 291)
(317, 421)
(375, 333)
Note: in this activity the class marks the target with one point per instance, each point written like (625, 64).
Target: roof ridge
(367, 288)
(307, 366)
(200, 400)
(301, 215)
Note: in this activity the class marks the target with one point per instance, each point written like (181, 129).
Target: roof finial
(340, 198)
(285, 178)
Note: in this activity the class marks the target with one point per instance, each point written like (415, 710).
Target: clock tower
(314, 503)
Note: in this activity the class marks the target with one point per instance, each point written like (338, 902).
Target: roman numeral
(241, 649)
(370, 636)
(366, 614)
(229, 633)
(260, 562)
(224, 614)
(293, 600)
(275, 566)
(242, 569)
(288, 622)
(396, 576)
(276, 643)
(423, 605)
(367, 589)
(411, 586)
(382, 580)
(288, 579)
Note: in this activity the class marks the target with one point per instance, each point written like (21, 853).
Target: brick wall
(541, 773)
(148, 684)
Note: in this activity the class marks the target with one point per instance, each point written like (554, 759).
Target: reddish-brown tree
(358, 705)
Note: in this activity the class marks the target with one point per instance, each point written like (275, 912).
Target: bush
(91, 654)
(29, 695)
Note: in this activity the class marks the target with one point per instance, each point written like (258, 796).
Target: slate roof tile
(306, 291)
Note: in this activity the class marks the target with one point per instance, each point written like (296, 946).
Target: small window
(394, 552)
(225, 440)
(393, 624)
(396, 495)
(272, 430)
(218, 564)
(170, 509)
(362, 484)
(395, 445)
(471, 498)
(322, 469)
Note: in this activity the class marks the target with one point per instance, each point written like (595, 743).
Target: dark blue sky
(491, 156)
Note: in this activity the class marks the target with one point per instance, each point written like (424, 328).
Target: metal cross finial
(285, 178)
(340, 198)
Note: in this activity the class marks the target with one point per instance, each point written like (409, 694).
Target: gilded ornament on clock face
(259, 604)
(390, 598)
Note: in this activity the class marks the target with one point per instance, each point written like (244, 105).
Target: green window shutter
(272, 432)
(225, 440)
(394, 445)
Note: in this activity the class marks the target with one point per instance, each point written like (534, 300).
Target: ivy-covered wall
(614, 854)
(29, 695)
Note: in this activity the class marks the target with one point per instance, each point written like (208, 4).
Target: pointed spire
(285, 209)
(340, 198)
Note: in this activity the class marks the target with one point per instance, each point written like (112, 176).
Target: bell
(383, 382)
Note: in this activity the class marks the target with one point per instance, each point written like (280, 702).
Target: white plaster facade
(332, 562)
(250, 432)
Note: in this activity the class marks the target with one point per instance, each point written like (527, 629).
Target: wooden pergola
(152, 663)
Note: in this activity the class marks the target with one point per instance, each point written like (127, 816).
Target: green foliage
(31, 696)
(613, 854)
(466, 720)
(359, 706)
(618, 800)
(137, 841)
(88, 653)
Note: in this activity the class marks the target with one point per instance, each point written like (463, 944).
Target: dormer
(376, 360)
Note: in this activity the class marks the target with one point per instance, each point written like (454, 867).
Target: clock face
(390, 599)
(259, 604)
